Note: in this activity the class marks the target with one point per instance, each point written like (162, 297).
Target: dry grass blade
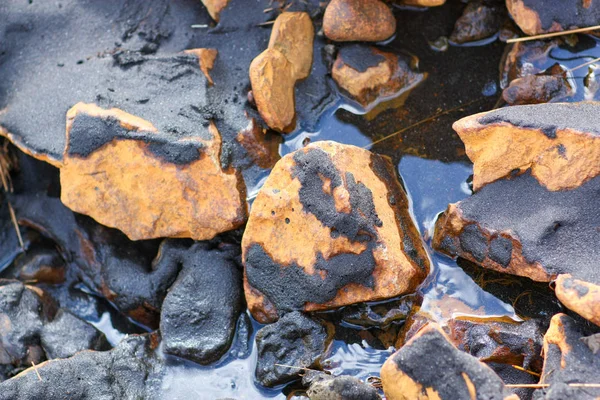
(553, 34)
(292, 366)
(545, 385)
(526, 370)
(13, 217)
(36, 371)
(5, 167)
(595, 60)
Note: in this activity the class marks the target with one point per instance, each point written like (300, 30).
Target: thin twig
(526, 370)
(545, 385)
(199, 26)
(595, 60)
(15, 224)
(423, 121)
(266, 23)
(36, 371)
(552, 34)
(292, 366)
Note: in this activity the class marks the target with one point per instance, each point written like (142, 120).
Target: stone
(343, 387)
(422, 3)
(568, 359)
(201, 310)
(261, 145)
(358, 20)
(428, 366)
(129, 371)
(271, 76)
(214, 7)
(67, 335)
(120, 171)
(479, 20)
(345, 212)
(550, 85)
(206, 59)
(44, 265)
(380, 315)
(370, 75)
(295, 340)
(580, 296)
(526, 58)
(535, 17)
(293, 36)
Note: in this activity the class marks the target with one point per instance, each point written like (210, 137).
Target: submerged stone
(327, 387)
(479, 20)
(288, 346)
(544, 87)
(358, 20)
(330, 227)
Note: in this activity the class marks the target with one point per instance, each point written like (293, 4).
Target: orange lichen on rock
(207, 58)
(358, 20)
(563, 159)
(215, 7)
(330, 227)
(579, 296)
(145, 184)
(274, 72)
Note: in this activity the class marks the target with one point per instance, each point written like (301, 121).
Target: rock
(479, 20)
(273, 89)
(421, 3)
(568, 359)
(345, 212)
(550, 85)
(214, 7)
(428, 366)
(535, 16)
(526, 58)
(206, 58)
(273, 73)
(294, 341)
(260, 144)
(151, 186)
(369, 75)
(129, 371)
(67, 335)
(380, 315)
(343, 387)
(41, 265)
(358, 20)
(201, 310)
(293, 35)
(580, 296)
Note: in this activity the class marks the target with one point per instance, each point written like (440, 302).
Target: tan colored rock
(215, 7)
(145, 183)
(369, 75)
(273, 89)
(358, 20)
(206, 58)
(422, 3)
(293, 35)
(579, 296)
(330, 227)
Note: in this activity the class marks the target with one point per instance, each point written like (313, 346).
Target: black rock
(294, 341)
(67, 335)
(200, 312)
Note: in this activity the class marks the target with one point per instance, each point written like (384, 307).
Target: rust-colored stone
(330, 227)
(579, 296)
(422, 3)
(145, 184)
(358, 20)
(261, 145)
(550, 85)
(214, 7)
(293, 35)
(206, 58)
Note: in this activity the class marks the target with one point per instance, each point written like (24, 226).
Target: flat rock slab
(538, 16)
(330, 227)
(569, 358)
(200, 313)
(428, 366)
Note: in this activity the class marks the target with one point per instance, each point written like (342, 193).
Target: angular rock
(526, 58)
(294, 341)
(129, 371)
(568, 359)
(428, 366)
(358, 20)
(214, 7)
(327, 387)
(260, 144)
(369, 75)
(544, 87)
(479, 20)
(201, 310)
(293, 35)
(536, 16)
(330, 227)
(120, 171)
(67, 335)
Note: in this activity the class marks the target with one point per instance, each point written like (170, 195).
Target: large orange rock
(358, 20)
(541, 16)
(330, 227)
(429, 366)
(123, 173)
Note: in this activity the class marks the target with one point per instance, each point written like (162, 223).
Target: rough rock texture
(526, 58)
(537, 16)
(273, 73)
(544, 87)
(428, 366)
(369, 75)
(129, 371)
(261, 145)
(580, 296)
(214, 7)
(568, 359)
(346, 214)
(422, 3)
(358, 20)
(326, 387)
(380, 315)
(67, 335)
(296, 341)
(560, 143)
(200, 312)
(479, 20)
(123, 173)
